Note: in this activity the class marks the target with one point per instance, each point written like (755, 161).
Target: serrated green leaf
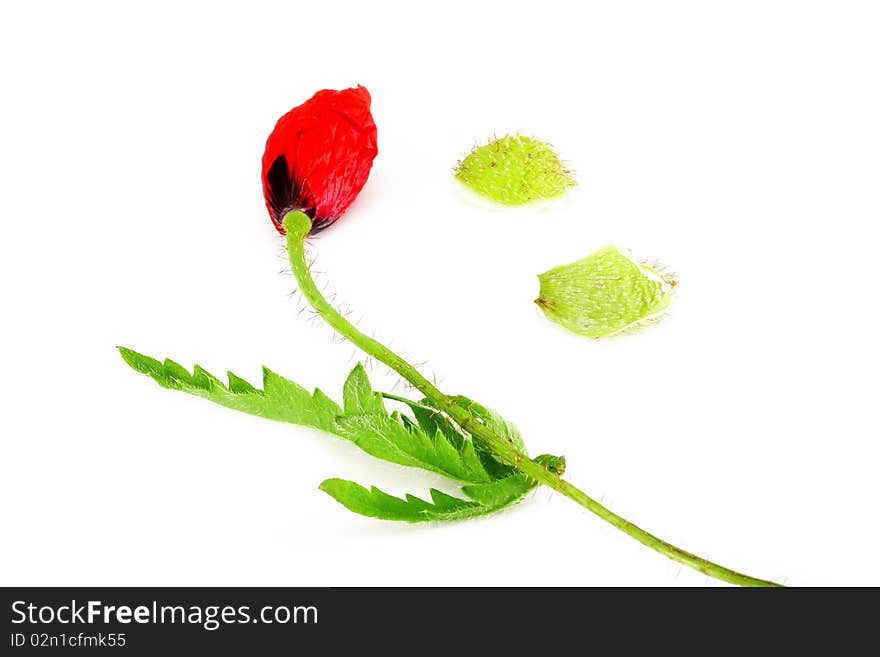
(358, 396)
(499, 493)
(493, 421)
(374, 503)
(324, 405)
(427, 415)
(280, 399)
(430, 442)
(390, 438)
(239, 385)
(485, 499)
(431, 419)
(365, 421)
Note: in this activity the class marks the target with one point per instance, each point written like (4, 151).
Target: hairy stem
(297, 226)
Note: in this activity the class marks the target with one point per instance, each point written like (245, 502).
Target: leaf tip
(328, 484)
(139, 362)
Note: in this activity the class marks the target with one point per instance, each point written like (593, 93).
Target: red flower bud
(319, 156)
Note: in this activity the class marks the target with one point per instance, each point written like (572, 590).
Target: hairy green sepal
(514, 170)
(605, 293)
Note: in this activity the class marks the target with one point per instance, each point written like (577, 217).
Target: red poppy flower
(319, 156)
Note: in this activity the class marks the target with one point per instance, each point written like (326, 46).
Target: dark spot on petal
(284, 193)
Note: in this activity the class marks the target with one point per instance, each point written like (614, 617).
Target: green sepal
(603, 294)
(514, 170)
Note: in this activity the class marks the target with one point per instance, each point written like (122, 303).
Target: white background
(737, 142)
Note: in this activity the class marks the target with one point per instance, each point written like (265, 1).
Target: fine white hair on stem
(355, 317)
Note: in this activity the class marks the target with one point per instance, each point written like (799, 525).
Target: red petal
(326, 146)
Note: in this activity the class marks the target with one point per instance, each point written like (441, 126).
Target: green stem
(297, 226)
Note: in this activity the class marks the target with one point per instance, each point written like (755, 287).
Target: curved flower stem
(297, 226)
